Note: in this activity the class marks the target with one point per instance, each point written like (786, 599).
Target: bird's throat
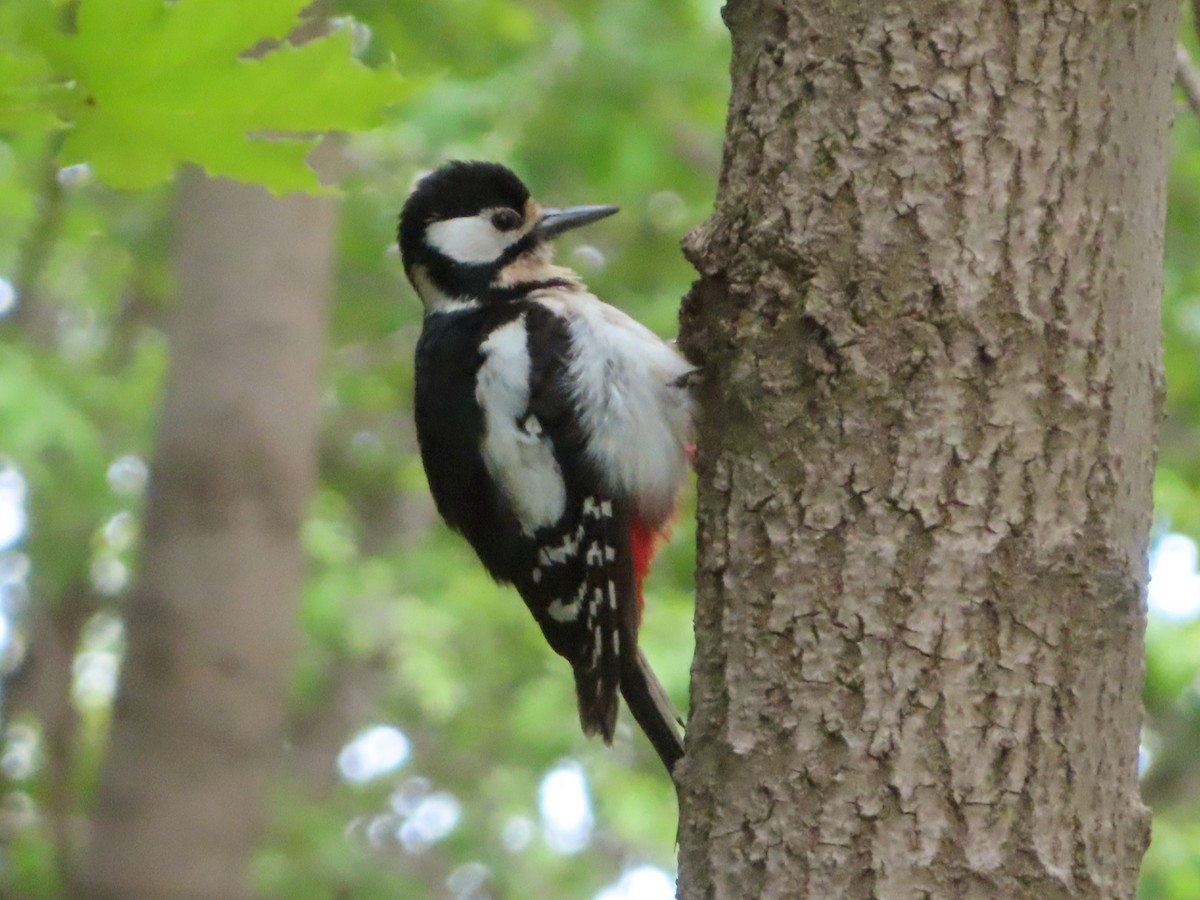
(533, 267)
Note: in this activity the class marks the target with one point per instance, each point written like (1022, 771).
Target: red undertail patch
(645, 541)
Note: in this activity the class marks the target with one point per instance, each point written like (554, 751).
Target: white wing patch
(625, 384)
(518, 456)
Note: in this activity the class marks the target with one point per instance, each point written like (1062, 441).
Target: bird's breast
(636, 418)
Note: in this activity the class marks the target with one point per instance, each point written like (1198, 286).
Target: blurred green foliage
(591, 102)
(1171, 870)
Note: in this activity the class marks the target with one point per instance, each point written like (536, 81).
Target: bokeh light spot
(666, 211)
(372, 753)
(127, 475)
(642, 883)
(74, 176)
(517, 833)
(109, 575)
(21, 751)
(12, 504)
(589, 257)
(566, 809)
(1174, 582)
(8, 297)
(14, 567)
(467, 882)
(433, 819)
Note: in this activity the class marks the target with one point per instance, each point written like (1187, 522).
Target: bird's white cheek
(468, 239)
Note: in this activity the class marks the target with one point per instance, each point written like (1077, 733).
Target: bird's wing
(581, 591)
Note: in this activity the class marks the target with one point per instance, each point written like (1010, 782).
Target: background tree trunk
(928, 320)
(197, 730)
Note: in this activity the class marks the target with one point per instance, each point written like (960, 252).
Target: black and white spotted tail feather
(597, 661)
(603, 652)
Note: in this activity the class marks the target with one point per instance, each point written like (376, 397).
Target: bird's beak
(556, 221)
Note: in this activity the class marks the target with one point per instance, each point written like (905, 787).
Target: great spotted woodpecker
(554, 428)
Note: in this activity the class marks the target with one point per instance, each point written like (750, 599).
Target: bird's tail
(652, 709)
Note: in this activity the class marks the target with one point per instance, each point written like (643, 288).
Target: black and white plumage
(554, 428)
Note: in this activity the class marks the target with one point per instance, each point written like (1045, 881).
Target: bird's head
(470, 231)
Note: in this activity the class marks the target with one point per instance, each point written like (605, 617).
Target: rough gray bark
(928, 320)
(197, 729)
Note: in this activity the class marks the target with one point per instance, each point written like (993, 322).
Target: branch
(42, 237)
(1173, 779)
(41, 688)
(1187, 76)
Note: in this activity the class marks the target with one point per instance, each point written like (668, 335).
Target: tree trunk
(197, 729)
(928, 323)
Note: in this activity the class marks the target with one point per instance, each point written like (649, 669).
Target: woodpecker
(555, 430)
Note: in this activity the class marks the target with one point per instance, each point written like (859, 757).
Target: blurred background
(433, 742)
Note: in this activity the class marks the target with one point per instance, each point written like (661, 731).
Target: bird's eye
(506, 219)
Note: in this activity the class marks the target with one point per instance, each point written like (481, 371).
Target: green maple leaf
(30, 91)
(27, 96)
(157, 84)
